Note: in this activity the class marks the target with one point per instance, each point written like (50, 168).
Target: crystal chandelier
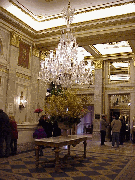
(64, 66)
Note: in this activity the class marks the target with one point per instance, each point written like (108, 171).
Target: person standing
(122, 131)
(116, 126)
(56, 129)
(38, 134)
(48, 128)
(14, 135)
(5, 134)
(103, 126)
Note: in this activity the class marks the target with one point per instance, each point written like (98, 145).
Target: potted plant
(65, 107)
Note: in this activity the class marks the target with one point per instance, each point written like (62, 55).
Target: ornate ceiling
(88, 33)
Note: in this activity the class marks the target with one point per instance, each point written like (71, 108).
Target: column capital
(98, 64)
(14, 39)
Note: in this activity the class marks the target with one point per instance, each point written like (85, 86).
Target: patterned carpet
(101, 163)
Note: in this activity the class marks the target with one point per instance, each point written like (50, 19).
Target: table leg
(85, 144)
(57, 165)
(68, 150)
(37, 156)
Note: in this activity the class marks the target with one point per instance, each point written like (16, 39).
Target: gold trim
(134, 59)
(23, 76)
(44, 54)
(119, 60)
(15, 39)
(115, 56)
(3, 69)
(17, 19)
(88, 58)
(98, 64)
(35, 52)
(47, 18)
(119, 88)
(92, 23)
(95, 50)
(79, 11)
(57, 30)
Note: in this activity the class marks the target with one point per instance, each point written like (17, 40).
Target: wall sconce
(22, 102)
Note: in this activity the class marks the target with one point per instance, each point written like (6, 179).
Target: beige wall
(13, 82)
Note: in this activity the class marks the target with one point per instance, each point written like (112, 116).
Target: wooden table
(58, 142)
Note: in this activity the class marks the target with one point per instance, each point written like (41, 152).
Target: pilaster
(97, 99)
(11, 91)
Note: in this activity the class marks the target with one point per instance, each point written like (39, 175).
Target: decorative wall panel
(24, 50)
(120, 101)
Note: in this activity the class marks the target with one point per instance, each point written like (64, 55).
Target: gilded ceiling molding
(119, 88)
(98, 64)
(126, 54)
(88, 58)
(95, 50)
(94, 23)
(78, 27)
(112, 56)
(79, 11)
(12, 19)
(23, 76)
(14, 39)
(32, 15)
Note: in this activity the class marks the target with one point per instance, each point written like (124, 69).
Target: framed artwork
(24, 50)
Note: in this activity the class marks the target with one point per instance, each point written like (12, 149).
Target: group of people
(46, 129)
(117, 128)
(8, 134)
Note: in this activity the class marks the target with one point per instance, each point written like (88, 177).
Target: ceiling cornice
(111, 29)
(41, 18)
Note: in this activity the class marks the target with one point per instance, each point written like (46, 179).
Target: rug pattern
(101, 163)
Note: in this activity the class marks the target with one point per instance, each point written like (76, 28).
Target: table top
(61, 140)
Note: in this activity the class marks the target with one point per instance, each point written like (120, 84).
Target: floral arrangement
(65, 106)
(38, 111)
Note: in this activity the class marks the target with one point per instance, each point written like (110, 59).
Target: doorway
(125, 115)
(86, 124)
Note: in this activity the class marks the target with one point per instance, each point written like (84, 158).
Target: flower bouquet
(65, 107)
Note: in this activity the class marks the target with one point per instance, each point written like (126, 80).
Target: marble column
(34, 87)
(97, 99)
(11, 91)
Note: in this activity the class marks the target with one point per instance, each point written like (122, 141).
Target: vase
(64, 129)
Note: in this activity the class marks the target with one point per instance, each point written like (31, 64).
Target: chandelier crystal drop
(65, 66)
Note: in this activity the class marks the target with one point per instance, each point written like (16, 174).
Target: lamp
(64, 66)
(22, 101)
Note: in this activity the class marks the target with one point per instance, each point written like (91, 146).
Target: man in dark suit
(5, 133)
(103, 126)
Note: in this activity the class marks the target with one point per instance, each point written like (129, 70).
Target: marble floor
(101, 163)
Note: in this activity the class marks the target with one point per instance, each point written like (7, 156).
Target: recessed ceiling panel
(114, 47)
(35, 13)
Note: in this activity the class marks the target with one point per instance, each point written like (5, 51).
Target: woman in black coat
(46, 125)
(122, 132)
(56, 129)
